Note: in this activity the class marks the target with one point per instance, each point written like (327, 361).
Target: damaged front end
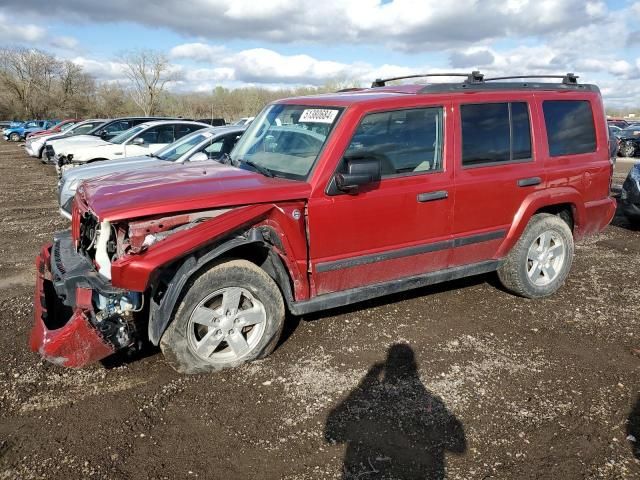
(80, 317)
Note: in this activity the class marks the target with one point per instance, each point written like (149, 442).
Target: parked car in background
(35, 146)
(630, 194)
(98, 136)
(327, 200)
(5, 124)
(629, 141)
(144, 139)
(613, 130)
(15, 134)
(618, 122)
(57, 128)
(207, 144)
(244, 121)
(214, 122)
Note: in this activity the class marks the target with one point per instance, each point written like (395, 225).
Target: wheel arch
(565, 202)
(173, 281)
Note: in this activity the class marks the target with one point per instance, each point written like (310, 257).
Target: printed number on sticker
(318, 115)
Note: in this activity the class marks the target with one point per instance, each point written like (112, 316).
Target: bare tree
(149, 72)
(29, 75)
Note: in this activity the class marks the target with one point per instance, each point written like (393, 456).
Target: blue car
(19, 132)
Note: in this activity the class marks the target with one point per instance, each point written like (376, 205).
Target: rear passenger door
(497, 167)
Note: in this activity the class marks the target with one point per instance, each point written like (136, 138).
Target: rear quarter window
(570, 127)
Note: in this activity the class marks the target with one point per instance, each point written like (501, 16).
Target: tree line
(35, 84)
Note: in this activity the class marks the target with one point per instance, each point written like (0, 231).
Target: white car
(35, 145)
(211, 143)
(243, 122)
(144, 139)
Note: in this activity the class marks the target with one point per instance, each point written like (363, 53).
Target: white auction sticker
(318, 115)
(207, 134)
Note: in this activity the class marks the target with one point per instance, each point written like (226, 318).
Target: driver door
(398, 228)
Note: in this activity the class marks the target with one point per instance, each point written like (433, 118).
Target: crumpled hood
(184, 187)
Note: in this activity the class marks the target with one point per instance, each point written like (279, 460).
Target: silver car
(207, 144)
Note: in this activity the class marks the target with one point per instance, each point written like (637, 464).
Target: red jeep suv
(328, 200)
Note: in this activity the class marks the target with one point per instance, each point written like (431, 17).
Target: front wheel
(14, 137)
(539, 263)
(231, 314)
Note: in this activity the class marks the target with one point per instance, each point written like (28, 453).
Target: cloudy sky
(307, 42)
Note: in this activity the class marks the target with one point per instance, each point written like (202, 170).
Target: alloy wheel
(545, 258)
(226, 326)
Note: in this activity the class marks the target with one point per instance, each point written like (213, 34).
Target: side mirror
(361, 170)
(104, 135)
(139, 141)
(199, 157)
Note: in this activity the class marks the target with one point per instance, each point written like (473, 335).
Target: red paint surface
(384, 218)
(77, 343)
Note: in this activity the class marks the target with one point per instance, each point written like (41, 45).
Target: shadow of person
(633, 429)
(393, 426)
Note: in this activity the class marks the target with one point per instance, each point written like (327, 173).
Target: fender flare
(536, 201)
(160, 314)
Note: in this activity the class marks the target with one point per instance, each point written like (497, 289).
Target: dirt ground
(462, 379)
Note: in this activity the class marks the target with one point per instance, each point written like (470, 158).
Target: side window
(405, 141)
(214, 150)
(494, 133)
(160, 134)
(570, 127)
(182, 130)
(117, 127)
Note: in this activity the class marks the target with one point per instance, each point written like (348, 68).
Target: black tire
(628, 149)
(176, 342)
(14, 137)
(513, 273)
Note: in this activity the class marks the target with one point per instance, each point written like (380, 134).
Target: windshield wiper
(258, 168)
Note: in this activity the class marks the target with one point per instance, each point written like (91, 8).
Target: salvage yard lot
(505, 387)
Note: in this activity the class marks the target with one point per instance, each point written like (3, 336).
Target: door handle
(529, 182)
(431, 196)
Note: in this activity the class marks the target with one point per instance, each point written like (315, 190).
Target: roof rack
(473, 77)
(568, 79)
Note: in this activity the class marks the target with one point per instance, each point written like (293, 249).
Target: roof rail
(568, 79)
(473, 77)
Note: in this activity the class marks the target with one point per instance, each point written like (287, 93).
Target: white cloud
(102, 70)
(411, 25)
(65, 43)
(14, 32)
(200, 52)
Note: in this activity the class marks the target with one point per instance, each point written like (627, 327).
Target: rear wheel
(539, 263)
(231, 314)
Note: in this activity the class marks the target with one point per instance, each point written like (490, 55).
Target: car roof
(351, 96)
(162, 122)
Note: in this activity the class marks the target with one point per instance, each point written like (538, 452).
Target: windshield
(127, 134)
(67, 126)
(174, 151)
(286, 140)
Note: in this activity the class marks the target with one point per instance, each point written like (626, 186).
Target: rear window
(570, 127)
(495, 133)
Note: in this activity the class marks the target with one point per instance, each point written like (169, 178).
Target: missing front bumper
(63, 334)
